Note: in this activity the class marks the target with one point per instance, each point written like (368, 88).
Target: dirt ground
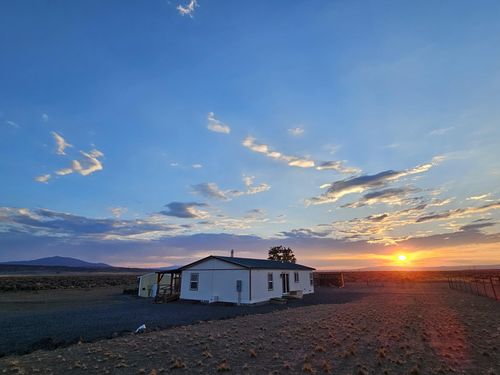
(50, 318)
(423, 329)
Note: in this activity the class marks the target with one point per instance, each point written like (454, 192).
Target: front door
(285, 282)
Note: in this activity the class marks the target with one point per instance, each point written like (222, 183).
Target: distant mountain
(58, 262)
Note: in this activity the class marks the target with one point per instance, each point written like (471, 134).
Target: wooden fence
(487, 287)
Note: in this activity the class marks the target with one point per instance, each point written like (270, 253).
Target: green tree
(282, 254)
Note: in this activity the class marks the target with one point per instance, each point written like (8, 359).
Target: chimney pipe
(232, 253)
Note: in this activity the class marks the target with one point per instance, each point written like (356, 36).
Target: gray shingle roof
(257, 263)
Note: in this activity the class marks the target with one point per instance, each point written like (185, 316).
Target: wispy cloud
(295, 161)
(60, 143)
(479, 197)
(89, 164)
(59, 225)
(252, 188)
(45, 117)
(212, 191)
(216, 125)
(197, 166)
(391, 196)
(44, 178)
(64, 171)
(296, 131)
(338, 189)
(13, 124)
(188, 9)
(337, 166)
(185, 210)
(441, 131)
(459, 212)
(118, 211)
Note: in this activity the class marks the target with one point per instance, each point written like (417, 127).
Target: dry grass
(421, 331)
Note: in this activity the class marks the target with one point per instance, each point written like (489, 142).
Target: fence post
(493, 287)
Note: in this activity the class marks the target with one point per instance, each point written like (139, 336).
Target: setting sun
(402, 257)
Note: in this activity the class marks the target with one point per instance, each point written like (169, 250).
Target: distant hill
(58, 261)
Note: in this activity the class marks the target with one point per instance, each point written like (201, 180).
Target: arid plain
(413, 327)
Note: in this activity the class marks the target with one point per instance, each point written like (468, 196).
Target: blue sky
(147, 133)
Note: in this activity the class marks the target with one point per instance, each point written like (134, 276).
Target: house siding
(217, 281)
(260, 290)
(216, 285)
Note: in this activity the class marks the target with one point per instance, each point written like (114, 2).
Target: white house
(243, 280)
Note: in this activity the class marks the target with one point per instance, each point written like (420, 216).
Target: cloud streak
(338, 189)
(13, 124)
(61, 144)
(44, 178)
(216, 125)
(295, 161)
(185, 210)
(189, 9)
(441, 131)
(296, 131)
(211, 190)
(459, 212)
(391, 196)
(89, 164)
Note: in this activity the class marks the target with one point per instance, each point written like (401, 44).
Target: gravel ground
(48, 319)
(426, 329)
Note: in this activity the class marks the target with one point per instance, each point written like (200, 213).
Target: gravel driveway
(50, 319)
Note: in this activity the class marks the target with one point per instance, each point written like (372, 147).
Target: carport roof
(254, 263)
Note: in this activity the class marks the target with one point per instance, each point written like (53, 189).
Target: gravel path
(51, 319)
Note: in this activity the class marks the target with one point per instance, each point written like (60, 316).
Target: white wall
(216, 279)
(260, 290)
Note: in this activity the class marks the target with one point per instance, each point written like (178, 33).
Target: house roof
(254, 263)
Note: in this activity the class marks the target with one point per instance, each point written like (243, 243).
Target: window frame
(270, 281)
(194, 275)
(296, 277)
(311, 278)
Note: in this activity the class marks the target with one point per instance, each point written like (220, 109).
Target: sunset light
(201, 157)
(323, 175)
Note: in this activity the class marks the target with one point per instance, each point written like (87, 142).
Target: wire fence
(487, 287)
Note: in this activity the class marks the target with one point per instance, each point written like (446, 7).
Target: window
(270, 281)
(193, 281)
(311, 278)
(296, 277)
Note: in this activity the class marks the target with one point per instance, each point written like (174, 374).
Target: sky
(155, 133)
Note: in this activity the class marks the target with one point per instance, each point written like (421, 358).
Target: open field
(417, 276)
(73, 281)
(423, 328)
(50, 318)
